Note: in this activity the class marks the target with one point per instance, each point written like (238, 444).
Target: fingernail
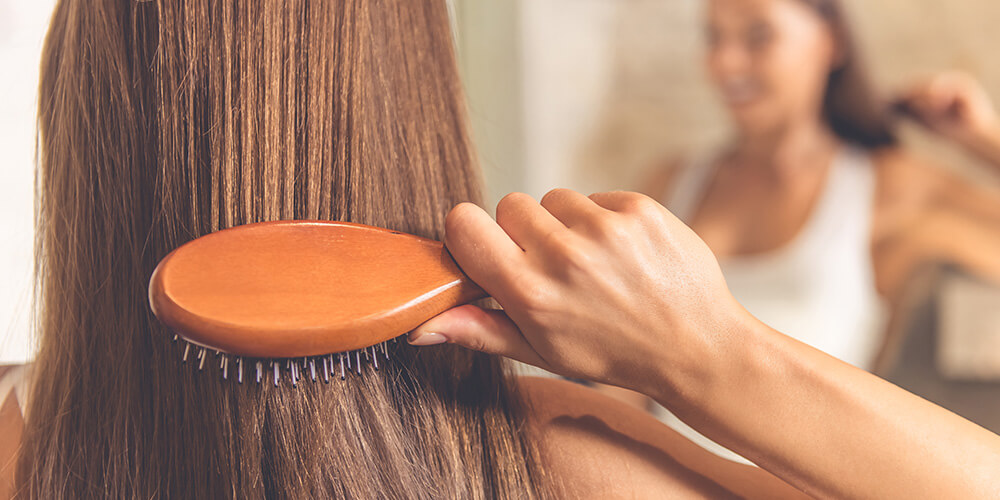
(427, 338)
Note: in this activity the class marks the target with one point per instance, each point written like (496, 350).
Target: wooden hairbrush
(303, 289)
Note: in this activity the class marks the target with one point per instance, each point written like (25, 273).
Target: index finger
(482, 248)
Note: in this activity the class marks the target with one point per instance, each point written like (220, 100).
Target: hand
(611, 288)
(955, 105)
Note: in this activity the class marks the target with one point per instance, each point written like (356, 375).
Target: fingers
(942, 95)
(481, 248)
(525, 221)
(921, 99)
(961, 95)
(482, 330)
(571, 208)
(495, 254)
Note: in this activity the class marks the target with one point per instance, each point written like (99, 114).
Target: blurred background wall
(22, 26)
(595, 91)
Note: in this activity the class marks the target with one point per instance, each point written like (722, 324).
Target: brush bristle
(312, 369)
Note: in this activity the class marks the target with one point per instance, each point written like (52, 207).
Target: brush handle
(304, 288)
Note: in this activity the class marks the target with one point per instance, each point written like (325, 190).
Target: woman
(816, 214)
(163, 121)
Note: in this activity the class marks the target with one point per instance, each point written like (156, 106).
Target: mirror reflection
(840, 158)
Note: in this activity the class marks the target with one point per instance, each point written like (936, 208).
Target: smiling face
(770, 59)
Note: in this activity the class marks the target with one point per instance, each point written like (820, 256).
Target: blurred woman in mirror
(818, 216)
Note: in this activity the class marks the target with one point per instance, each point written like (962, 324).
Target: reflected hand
(955, 105)
(611, 288)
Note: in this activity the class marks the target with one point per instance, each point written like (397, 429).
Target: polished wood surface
(304, 288)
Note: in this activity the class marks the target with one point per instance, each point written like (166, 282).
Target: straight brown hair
(162, 121)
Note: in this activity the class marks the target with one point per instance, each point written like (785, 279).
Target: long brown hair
(163, 121)
(851, 106)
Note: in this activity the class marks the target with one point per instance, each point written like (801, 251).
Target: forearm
(829, 428)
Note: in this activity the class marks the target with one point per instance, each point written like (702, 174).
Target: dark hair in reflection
(851, 107)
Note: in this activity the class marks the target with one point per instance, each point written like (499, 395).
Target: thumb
(485, 330)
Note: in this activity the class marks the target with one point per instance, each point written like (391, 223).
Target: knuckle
(536, 299)
(641, 205)
(511, 200)
(474, 335)
(610, 227)
(556, 243)
(528, 294)
(554, 196)
(475, 343)
(565, 252)
(575, 259)
(609, 198)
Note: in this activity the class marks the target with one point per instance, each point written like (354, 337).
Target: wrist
(746, 375)
(710, 355)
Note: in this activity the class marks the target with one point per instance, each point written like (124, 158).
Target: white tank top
(820, 287)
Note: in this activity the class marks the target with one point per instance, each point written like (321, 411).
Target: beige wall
(488, 42)
(608, 87)
(22, 27)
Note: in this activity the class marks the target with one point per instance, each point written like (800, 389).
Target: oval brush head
(293, 289)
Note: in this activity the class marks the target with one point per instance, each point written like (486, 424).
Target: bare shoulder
(910, 189)
(11, 426)
(597, 447)
(904, 177)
